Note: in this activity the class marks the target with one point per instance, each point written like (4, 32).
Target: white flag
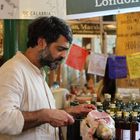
(97, 64)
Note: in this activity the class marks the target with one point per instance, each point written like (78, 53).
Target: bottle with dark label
(118, 125)
(126, 127)
(134, 126)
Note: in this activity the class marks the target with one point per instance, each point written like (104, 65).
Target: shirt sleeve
(11, 118)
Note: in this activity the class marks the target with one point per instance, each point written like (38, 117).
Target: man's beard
(46, 59)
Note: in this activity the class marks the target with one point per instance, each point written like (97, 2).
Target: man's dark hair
(49, 28)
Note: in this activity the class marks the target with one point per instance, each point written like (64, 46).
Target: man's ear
(41, 43)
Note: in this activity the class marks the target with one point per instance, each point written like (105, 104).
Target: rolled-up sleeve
(11, 89)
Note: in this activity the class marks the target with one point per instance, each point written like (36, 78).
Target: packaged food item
(97, 125)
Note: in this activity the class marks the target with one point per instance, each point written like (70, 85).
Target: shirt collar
(21, 56)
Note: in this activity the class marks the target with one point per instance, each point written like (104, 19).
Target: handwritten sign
(133, 62)
(128, 33)
(128, 83)
(97, 64)
(128, 40)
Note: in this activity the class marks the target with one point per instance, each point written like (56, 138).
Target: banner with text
(30, 9)
(85, 28)
(128, 42)
(133, 62)
(92, 8)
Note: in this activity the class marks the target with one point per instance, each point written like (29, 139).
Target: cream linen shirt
(23, 88)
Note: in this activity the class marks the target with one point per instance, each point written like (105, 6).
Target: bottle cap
(108, 111)
(133, 96)
(112, 105)
(126, 114)
(94, 95)
(134, 114)
(120, 97)
(88, 102)
(119, 113)
(112, 113)
(117, 95)
(106, 95)
(99, 104)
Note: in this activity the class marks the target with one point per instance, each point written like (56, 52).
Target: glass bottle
(94, 99)
(74, 103)
(138, 133)
(108, 111)
(99, 106)
(119, 102)
(107, 101)
(118, 125)
(126, 127)
(132, 102)
(123, 107)
(117, 95)
(113, 107)
(112, 114)
(134, 126)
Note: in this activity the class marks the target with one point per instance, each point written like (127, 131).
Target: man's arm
(54, 117)
(31, 119)
(81, 110)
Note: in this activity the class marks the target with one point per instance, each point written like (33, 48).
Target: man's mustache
(57, 62)
(59, 59)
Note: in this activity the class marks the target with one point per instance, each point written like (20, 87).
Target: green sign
(90, 6)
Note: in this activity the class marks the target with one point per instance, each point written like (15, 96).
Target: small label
(138, 133)
(126, 134)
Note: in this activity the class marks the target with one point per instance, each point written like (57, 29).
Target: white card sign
(97, 64)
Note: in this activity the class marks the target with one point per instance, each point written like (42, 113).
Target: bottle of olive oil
(134, 126)
(126, 127)
(113, 108)
(107, 101)
(138, 133)
(119, 102)
(119, 125)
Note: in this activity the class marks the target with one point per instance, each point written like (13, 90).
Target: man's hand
(54, 117)
(81, 110)
(57, 117)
